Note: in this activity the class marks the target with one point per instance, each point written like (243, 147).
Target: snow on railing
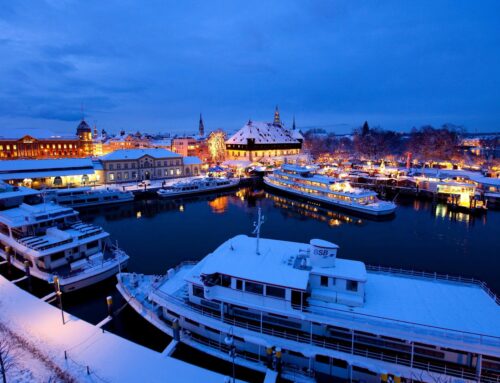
(435, 276)
(294, 336)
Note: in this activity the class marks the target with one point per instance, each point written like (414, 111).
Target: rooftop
(15, 166)
(135, 154)
(274, 265)
(28, 214)
(262, 133)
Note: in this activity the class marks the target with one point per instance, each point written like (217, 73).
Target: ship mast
(257, 224)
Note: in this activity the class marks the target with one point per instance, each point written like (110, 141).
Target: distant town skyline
(333, 64)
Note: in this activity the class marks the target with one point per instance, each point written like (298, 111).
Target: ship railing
(295, 336)
(435, 276)
(291, 369)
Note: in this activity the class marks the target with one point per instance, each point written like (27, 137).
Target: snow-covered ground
(26, 366)
(40, 339)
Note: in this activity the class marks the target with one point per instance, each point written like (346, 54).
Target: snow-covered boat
(297, 308)
(300, 181)
(198, 186)
(50, 240)
(86, 196)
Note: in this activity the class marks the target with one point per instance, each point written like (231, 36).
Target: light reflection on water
(159, 233)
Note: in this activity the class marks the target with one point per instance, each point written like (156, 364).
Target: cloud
(333, 63)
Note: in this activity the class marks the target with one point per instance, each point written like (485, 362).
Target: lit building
(264, 141)
(132, 165)
(47, 145)
(49, 172)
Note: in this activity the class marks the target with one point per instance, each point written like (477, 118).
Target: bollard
(9, 265)
(28, 273)
(176, 328)
(278, 359)
(269, 357)
(109, 302)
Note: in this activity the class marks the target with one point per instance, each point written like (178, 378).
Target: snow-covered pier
(83, 352)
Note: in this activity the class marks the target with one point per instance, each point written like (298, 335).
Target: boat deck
(447, 305)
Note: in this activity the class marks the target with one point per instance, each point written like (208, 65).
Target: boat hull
(76, 282)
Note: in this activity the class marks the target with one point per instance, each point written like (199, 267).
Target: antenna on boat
(257, 224)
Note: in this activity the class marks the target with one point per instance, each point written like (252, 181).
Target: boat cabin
(279, 275)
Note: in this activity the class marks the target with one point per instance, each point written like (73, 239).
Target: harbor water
(159, 234)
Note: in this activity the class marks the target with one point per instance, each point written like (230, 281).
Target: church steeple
(277, 119)
(201, 127)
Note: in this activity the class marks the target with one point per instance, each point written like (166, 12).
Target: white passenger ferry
(198, 186)
(299, 309)
(86, 196)
(50, 240)
(300, 181)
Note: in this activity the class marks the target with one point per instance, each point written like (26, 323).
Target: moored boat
(197, 186)
(300, 181)
(299, 309)
(86, 196)
(50, 240)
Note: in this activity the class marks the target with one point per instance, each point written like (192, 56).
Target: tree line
(425, 143)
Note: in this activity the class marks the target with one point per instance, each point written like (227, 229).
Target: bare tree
(6, 358)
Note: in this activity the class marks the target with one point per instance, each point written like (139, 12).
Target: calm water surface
(158, 234)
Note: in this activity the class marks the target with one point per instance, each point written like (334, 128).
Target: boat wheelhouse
(86, 196)
(198, 186)
(300, 181)
(299, 309)
(50, 240)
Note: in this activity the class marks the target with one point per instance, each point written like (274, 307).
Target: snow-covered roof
(237, 257)
(59, 164)
(135, 154)
(275, 265)
(16, 134)
(262, 133)
(20, 169)
(27, 214)
(192, 160)
(9, 191)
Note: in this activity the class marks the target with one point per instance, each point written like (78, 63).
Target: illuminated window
(111, 176)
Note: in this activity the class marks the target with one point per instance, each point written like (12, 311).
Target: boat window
(225, 281)
(239, 284)
(351, 285)
(324, 281)
(198, 291)
(56, 256)
(255, 288)
(277, 292)
(92, 244)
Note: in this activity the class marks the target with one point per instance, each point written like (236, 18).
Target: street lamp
(229, 341)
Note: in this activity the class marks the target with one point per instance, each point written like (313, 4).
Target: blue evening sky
(155, 65)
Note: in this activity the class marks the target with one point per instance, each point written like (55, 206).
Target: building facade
(49, 146)
(264, 141)
(134, 165)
